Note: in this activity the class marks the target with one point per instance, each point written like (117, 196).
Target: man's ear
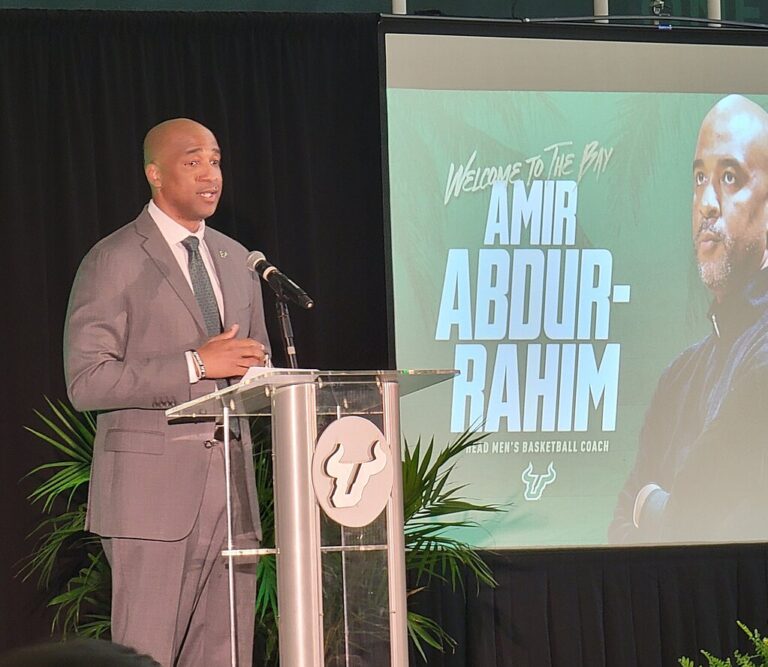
(153, 176)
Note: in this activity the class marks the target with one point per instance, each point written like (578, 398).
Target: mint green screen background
(639, 208)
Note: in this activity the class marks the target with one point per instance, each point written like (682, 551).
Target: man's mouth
(209, 195)
(707, 238)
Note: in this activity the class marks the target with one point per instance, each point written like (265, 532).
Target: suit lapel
(224, 270)
(156, 247)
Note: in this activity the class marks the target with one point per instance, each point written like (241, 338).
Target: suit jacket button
(209, 443)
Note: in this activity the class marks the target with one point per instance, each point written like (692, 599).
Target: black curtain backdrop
(293, 100)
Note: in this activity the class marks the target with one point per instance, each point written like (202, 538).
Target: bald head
(730, 195)
(165, 134)
(182, 163)
(738, 120)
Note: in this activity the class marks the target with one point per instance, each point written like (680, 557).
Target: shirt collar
(171, 230)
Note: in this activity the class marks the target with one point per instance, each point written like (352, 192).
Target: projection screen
(578, 225)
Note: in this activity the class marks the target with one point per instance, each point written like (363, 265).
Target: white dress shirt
(174, 234)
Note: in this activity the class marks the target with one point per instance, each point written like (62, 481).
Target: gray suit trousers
(170, 599)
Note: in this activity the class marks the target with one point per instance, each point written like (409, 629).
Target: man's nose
(208, 173)
(709, 204)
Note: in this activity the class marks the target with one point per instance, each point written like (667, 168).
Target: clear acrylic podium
(336, 453)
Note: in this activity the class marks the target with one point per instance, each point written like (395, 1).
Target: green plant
(758, 659)
(433, 508)
(70, 562)
(66, 559)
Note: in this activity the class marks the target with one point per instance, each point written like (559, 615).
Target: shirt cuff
(191, 368)
(640, 500)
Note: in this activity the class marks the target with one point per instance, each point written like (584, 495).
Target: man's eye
(193, 163)
(729, 178)
(699, 178)
(215, 163)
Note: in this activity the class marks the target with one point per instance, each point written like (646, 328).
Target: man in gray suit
(160, 311)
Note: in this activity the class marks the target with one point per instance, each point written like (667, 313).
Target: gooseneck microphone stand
(286, 329)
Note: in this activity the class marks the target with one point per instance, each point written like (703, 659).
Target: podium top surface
(253, 396)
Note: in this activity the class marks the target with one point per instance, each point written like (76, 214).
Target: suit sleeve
(653, 446)
(98, 374)
(645, 471)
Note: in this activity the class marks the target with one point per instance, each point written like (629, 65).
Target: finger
(250, 359)
(251, 350)
(247, 346)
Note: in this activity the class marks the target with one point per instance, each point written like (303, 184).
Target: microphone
(281, 284)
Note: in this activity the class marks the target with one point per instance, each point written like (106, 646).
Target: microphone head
(255, 258)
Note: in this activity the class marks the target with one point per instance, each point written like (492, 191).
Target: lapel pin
(222, 253)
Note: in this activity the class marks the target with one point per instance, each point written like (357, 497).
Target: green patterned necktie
(201, 286)
(206, 299)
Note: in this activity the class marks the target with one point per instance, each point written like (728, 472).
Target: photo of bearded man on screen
(701, 473)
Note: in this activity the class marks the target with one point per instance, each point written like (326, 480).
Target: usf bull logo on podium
(352, 471)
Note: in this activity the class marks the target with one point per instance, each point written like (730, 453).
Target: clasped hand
(225, 356)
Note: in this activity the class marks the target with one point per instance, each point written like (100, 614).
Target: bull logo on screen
(535, 483)
(352, 471)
